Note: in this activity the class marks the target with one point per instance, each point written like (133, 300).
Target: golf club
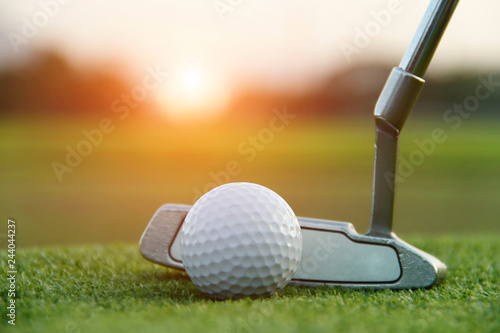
(333, 253)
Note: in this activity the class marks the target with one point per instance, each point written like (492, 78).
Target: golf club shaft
(426, 39)
(393, 107)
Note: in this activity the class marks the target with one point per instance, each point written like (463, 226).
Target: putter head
(333, 254)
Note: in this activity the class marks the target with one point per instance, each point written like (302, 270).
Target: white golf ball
(241, 239)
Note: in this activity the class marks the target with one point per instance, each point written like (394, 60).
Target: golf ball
(241, 239)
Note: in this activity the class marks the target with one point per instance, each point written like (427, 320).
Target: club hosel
(398, 97)
(393, 107)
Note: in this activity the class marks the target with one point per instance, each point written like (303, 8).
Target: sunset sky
(213, 47)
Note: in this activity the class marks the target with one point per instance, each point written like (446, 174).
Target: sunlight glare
(192, 93)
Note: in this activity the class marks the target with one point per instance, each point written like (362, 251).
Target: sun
(193, 80)
(192, 93)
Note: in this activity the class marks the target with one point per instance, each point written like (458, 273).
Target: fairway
(446, 206)
(112, 288)
(110, 134)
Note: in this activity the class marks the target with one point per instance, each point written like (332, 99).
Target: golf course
(111, 110)
(77, 257)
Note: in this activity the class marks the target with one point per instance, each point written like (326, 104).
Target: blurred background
(110, 109)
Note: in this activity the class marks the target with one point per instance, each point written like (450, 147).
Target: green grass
(112, 289)
(323, 170)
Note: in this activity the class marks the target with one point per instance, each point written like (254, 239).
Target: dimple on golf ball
(241, 239)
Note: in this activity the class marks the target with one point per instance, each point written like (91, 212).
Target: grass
(110, 288)
(322, 170)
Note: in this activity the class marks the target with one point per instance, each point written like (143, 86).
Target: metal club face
(333, 253)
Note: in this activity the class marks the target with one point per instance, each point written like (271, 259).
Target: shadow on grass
(176, 287)
(168, 274)
(180, 289)
(172, 285)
